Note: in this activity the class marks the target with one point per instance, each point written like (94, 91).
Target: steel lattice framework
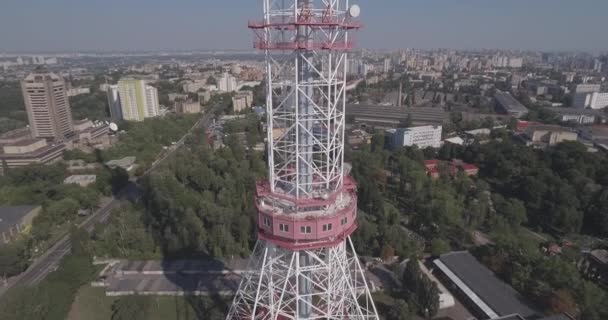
(304, 265)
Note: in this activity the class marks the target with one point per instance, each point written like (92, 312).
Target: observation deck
(303, 224)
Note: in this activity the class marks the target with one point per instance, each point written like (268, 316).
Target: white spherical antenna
(113, 127)
(354, 11)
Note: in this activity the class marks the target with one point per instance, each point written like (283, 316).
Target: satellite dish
(113, 127)
(354, 11)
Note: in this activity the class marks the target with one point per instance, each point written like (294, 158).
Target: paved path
(49, 261)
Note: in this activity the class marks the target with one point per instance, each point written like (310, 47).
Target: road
(49, 261)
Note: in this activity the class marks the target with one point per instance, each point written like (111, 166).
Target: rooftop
(481, 285)
(549, 127)
(12, 215)
(80, 178)
(507, 101)
(600, 255)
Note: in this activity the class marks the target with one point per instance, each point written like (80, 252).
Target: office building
(114, 102)
(31, 151)
(591, 100)
(137, 100)
(227, 83)
(47, 105)
(422, 137)
(507, 104)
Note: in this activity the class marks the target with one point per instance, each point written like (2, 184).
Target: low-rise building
(595, 266)
(187, 107)
(422, 137)
(31, 151)
(580, 116)
(549, 135)
(15, 220)
(507, 104)
(479, 289)
(82, 180)
(126, 163)
(453, 167)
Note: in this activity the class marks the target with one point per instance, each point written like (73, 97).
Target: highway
(49, 261)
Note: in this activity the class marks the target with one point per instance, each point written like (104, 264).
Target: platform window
(306, 229)
(267, 221)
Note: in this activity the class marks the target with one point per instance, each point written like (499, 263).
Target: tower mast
(304, 265)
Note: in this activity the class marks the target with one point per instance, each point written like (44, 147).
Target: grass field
(92, 304)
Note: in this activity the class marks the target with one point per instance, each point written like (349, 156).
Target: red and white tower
(304, 265)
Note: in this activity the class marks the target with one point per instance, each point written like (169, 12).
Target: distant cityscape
(486, 166)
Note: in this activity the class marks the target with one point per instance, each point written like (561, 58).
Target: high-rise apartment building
(592, 100)
(114, 102)
(587, 88)
(137, 99)
(227, 83)
(47, 105)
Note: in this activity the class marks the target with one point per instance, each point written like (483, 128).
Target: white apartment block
(592, 100)
(422, 137)
(137, 100)
(587, 88)
(227, 83)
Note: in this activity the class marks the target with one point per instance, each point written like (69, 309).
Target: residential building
(187, 106)
(387, 65)
(82, 180)
(227, 83)
(15, 220)
(587, 88)
(507, 104)
(114, 105)
(549, 135)
(47, 105)
(137, 99)
(422, 137)
(194, 86)
(592, 100)
(243, 100)
(204, 96)
(580, 116)
(453, 167)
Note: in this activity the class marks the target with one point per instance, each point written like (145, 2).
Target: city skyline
(551, 25)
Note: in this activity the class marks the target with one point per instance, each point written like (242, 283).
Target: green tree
(439, 247)
(400, 311)
(131, 308)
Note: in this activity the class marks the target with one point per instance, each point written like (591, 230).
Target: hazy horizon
(203, 25)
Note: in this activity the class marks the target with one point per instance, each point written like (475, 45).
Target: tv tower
(304, 265)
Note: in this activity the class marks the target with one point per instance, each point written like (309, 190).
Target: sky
(135, 25)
